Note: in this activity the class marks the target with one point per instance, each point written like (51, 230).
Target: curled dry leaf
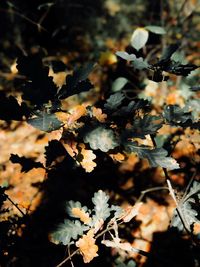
(131, 212)
(87, 246)
(118, 157)
(97, 113)
(59, 78)
(81, 214)
(55, 135)
(88, 156)
(117, 244)
(70, 146)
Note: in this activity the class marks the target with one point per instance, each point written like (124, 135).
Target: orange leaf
(118, 157)
(87, 246)
(97, 113)
(77, 112)
(81, 214)
(88, 156)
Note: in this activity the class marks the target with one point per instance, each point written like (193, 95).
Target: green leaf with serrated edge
(155, 29)
(175, 114)
(101, 138)
(187, 210)
(77, 82)
(157, 157)
(114, 101)
(67, 231)
(46, 122)
(101, 207)
(132, 106)
(118, 211)
(118, 84)
(139, 38)
(144, 126)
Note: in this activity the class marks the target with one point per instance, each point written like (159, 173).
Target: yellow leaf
(107, 58)
(87, 246)
(13, 68)
(112, 7)
(81, 214)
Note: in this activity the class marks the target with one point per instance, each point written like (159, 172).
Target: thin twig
(68, 258)
(157, 188)
(139, 251)
(173, 196)
(23, 17)
(14, 204)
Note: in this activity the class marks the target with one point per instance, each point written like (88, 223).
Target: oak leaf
(88, 156)
(87, 246)
(81, 214)
(98, 114)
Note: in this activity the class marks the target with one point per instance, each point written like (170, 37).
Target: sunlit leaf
(156, 29)
(126, 56)
(137, 63)
(101, 138)
(139, 38)
(87, 246)
(107, 58)
(98, 114)
(81, 214)
(118, 84)
(140, 64)
(101, 207)
(87, 161)
(114, 101)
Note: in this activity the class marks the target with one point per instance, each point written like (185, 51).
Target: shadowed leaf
(26, 163)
